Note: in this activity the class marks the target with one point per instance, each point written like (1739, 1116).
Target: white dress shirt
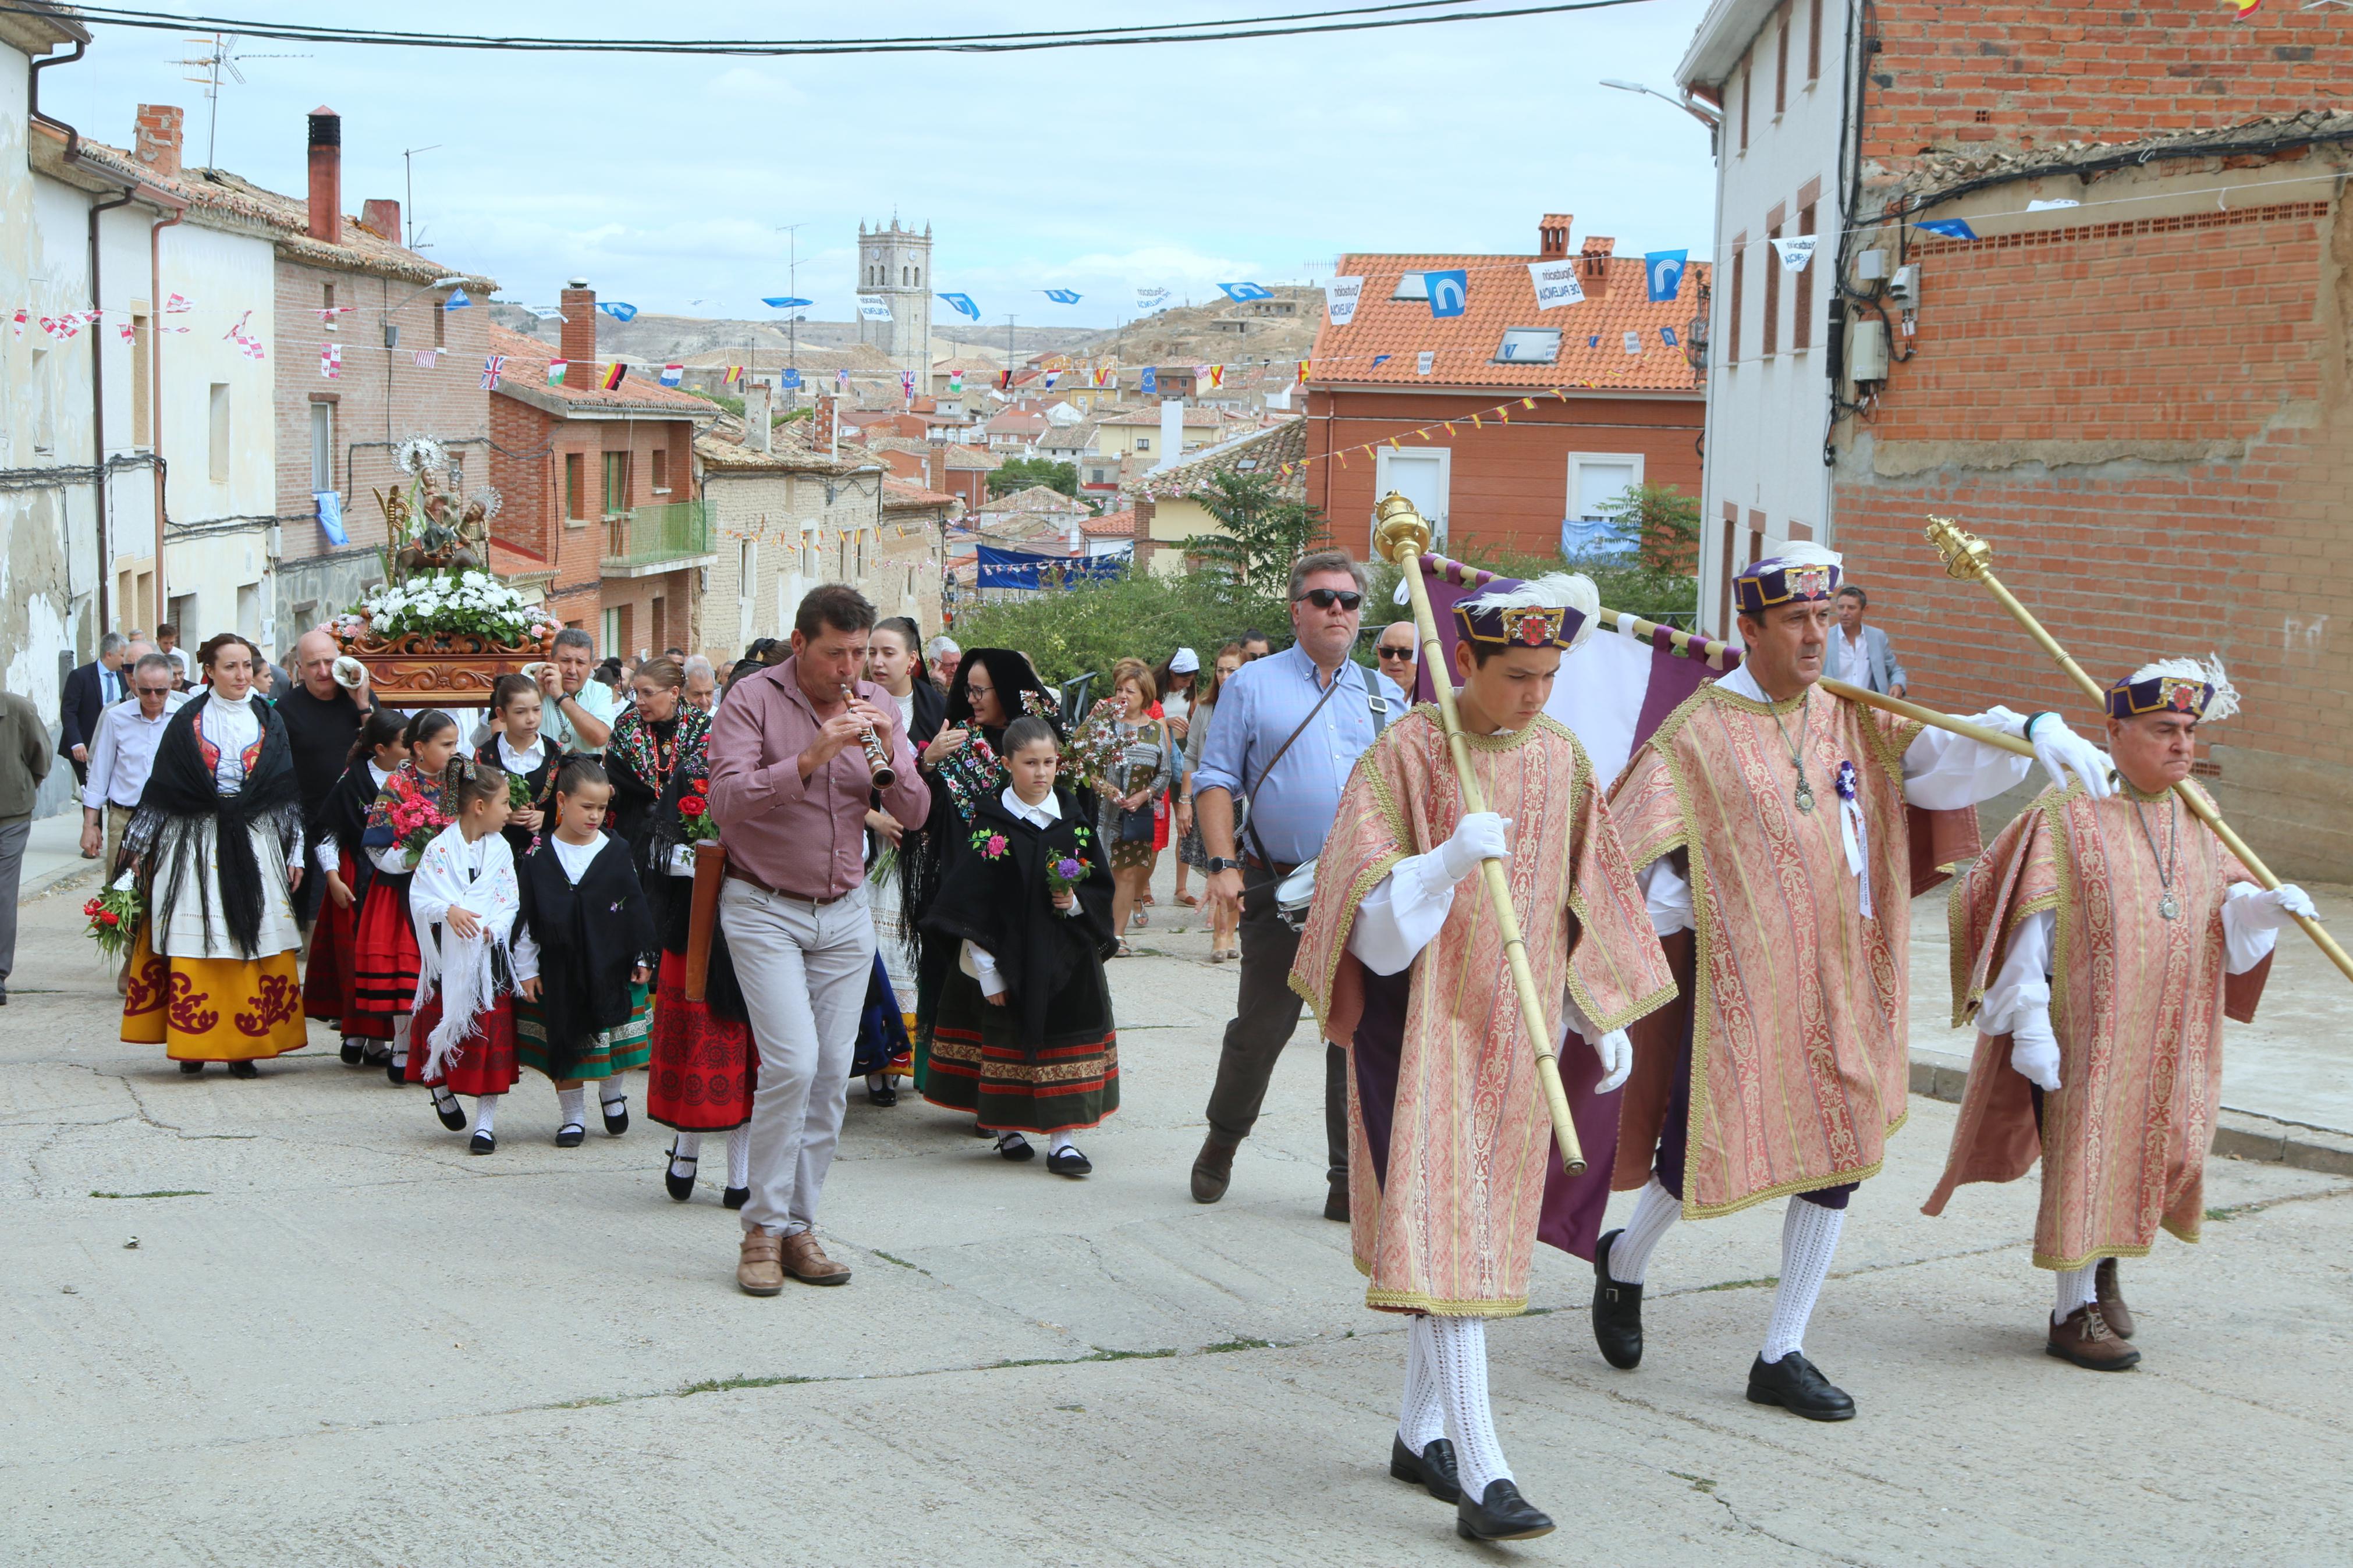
(122, 753)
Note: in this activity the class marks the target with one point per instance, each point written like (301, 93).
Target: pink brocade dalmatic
(1448, 1221)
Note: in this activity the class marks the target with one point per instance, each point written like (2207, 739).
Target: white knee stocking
(1810, 1236)
(1421, 1417)
(739, 1156)
(612, 1091)
(2074, 1290)
(570, 1104)
(1460, 1348)
(686, 1146)
(400, 1039)
(486, 1111)
(1655, 1209)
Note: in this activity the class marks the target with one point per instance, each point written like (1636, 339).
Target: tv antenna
(219, 58)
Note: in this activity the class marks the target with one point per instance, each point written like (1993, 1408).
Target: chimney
(155, 141)
(759, 425)
(380, 216)
(1593, 266)
(1172, 432)
(1552, 237)
(326, 175)
(578, 337)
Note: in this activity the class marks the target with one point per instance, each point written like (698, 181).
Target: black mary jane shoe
(395, 1072)
(483, 1143)
(1501, 1515)
(1067, 1161)
(191, 1069)
(681, 1187)
(350, 1052)
(1014, 1147)
(452, 1114)
(880, 1094)
(571, 1135)
(1798, 1386)
(735, 1197)
(375, 1053)
(617, 1115)
(1617, 1311)
(243, 1069)
(1432, 1470)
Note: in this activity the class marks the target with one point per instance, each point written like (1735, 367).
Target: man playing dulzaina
(1772, 818)
(2099, 944)
(1448, 1141)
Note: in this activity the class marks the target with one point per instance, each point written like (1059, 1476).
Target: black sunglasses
(1324, 598)
(1394, 652)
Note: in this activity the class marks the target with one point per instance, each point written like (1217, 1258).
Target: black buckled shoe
(350, 1052)
(1432, 1470)
(1617, 1311)
(452, 1114)
(243, 1069)
(1501, 1515)
(617, 1115)
(1067, 1161)
(1798, 1386)
(395, 1072)
(681, 1187)
(571, 1135)
(881, 1091)
(483, 1144)
(735, 1197)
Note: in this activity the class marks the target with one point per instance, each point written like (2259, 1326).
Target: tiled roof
(1593, 333)
(722, 447)
(1112, 525)
(960, 455)
(1041, 501)
(1260, 452)
(1196, 418)
(900, 495)
(525, 380)
(1079, 437)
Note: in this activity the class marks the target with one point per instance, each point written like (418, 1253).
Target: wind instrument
(877, 759)
(1966, 559)
(1400, 536)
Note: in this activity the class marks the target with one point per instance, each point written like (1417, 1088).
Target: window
(456, 475)
(617, 632)
(1739, 273)
(1423, 475)
(1773, 269)
(840, 557)
(249, 611)
(1813, 39)
(1596, 478)
(1781, 63)
(747, 568)
(1801, 324)
(661, 471)
(219, 426)
(1743, 105)
(322, 446)
(808, 556)
(141, 367)
(861, 552)
(576, 487)
(1529, 345)
(617, 483)
(327, 302)
(440, 324)
(1725, 569)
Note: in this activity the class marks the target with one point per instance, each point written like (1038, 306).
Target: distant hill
(659, 339)
(1221, 333)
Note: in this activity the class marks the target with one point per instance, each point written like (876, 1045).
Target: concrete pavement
(339, 1339)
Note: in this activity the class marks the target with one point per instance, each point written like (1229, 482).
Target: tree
(1262, 532)
(1660, 524)
(1022, 473)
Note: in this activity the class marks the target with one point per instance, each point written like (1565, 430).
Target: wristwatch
(1218, 863)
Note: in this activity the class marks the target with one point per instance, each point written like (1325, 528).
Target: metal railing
(647, 535)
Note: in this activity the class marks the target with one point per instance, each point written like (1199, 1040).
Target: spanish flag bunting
(1527, 402)
(613, 375)
(1449, 427)
(1303, 368)
(735, 375)
(2247, 8)
(1504, 413)
(1474, 423)
(1556, 392)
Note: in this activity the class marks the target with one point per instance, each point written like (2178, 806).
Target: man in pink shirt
(789, 786)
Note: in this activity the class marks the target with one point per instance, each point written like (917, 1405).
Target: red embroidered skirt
(383, 953)
(486, 1062)
(704, 1069)
(327, 977)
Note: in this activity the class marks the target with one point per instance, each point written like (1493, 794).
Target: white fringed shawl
(481, 878)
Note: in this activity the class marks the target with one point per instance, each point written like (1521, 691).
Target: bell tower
(894, 264)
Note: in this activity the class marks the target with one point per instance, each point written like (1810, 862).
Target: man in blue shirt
(1290, 728)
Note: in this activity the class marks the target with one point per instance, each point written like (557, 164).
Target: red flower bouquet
(114, 916)
(694, 811)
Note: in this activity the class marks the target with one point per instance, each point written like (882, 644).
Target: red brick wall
(1509, 481)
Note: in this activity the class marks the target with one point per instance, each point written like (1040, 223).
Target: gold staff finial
(1966, 555)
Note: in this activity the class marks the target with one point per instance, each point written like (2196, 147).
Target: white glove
(2034, 1049)
(2270, 910)
(1479, 835)
(1616, 1054)
(2062, 752)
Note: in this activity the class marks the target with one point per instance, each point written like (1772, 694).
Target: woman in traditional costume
(1139, 777)
(377, 754)
(703, 1061)
(218, 838)
(894, 661)
(1025, 1039)
(519, 750)
(383, 946)
(1225, 939)
(463, 899)
(581, 974)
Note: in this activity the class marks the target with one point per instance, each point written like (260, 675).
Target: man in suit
(1861, 655)
(24, 764)
(89, 692)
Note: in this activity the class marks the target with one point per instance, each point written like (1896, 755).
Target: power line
(1351, 19)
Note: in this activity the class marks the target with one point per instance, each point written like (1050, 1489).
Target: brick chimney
(155, 140)
(1593, 266)
(577, 339)
(326, 175)
(380, 216)
(1552, 237)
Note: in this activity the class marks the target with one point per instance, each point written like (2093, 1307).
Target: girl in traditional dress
(518, 748)
(894, 661)
(1138, 777)
(583, 960)
(1224, 928)
(1179, 682)
(704, 1061)
(219, 842)
(376, 756)
(463, 899)
(383, 946)
(1025, 1038)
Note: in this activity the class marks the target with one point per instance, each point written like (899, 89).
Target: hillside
(659, 339)
(1220, 332)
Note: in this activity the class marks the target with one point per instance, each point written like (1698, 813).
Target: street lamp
(1696, 111)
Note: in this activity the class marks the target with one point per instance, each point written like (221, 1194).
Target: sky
(666, 180)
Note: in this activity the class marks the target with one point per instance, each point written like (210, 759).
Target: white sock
(486, 1111)
(442, 1099)
(1809, 1235)
(400, 1041)
(612, 1091)
(739, 1156)
(1058, 1141)
(570, 1104)
(2074, 1290)
(1459, 1346)
(1421, 1416)
(1655, 1209)
(685, 1146)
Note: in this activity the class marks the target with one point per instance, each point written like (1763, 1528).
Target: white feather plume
(1806, 553)
(2225, 700)
(1553, 591)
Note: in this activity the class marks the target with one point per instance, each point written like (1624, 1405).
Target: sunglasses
(1395, 652)
(1324, 598)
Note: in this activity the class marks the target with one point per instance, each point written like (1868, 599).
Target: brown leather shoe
(2087, 1340)
(1213, 1168)
(1335, 1202)
(2111, 1297)
(760, 1271)
(806, 1261)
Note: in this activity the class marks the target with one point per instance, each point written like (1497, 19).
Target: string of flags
(493, 369)
(1499, 415)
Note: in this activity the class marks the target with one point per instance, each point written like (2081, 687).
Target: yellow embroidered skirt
(214, 1009)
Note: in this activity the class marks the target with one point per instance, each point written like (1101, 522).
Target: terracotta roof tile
(902, 495)
(1112, 525)
(1258, 451)
(525, 378)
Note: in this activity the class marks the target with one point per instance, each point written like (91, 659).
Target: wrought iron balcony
(650, 540)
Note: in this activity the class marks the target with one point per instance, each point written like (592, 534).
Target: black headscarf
(181, 797)
(1011, 674)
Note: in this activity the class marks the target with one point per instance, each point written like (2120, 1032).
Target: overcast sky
(1103, 170)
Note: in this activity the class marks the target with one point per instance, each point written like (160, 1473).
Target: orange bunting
(1527, 402)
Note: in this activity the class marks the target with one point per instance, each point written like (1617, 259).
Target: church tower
(894, 264)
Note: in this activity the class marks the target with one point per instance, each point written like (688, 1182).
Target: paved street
(339, 1339)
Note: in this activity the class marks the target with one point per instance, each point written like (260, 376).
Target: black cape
(342, 819)
(649, 816)
(540, 781)
(591, 935)
(181, 797)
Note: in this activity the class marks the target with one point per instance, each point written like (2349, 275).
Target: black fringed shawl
(591, 935)
(182, 798)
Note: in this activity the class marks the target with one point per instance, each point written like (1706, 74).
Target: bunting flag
(1242, 291)
(1105, 376)
(426, 359)
(18, 320)
(1303, 367)
(1667, 336)
(327, 314)
(1063, 296)
(617, 309)
(331, 360)
(841, 378)
(1380, 360)
(907, 384)
(671, 374)
(962, 304)
(735, 375)
(785, 302)
(613, 375)
(1051, 377)
(1148, 383)
(1425, 362)
(177, 303)
(1633, 342)
(130, 333)
(1004, 380)
(1949, 227)
(457, 300)
(546, 312)
(492, 368)
(1663, 269)
(956, 381)
(556, 369)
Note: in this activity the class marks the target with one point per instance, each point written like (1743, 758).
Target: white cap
(1184, 661)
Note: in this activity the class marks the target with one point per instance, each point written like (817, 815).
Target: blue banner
(788, 379)
(1450, 291)
(962, 304)
(1018, 569)
(620, 311)
(1664, 270)
(1151, 387)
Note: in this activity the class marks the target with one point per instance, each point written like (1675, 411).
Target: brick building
(2127, 368)
(1606, 417)
(599, 488)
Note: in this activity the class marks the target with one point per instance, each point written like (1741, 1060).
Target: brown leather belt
(741, 875)
(1277, 866)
